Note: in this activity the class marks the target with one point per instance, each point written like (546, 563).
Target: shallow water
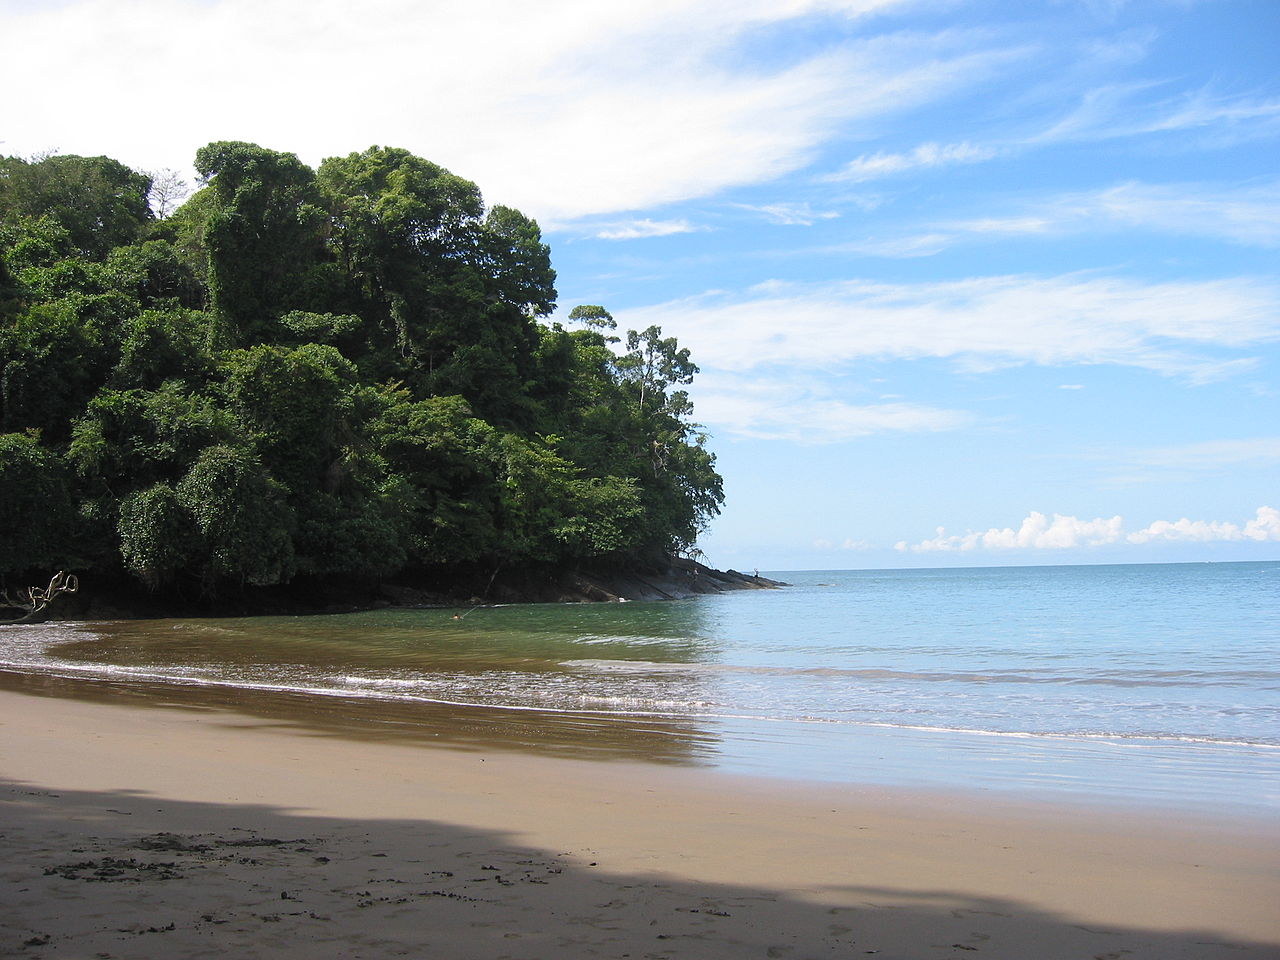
(1156, 684)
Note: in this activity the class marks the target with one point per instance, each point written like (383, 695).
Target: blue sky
(969, 282)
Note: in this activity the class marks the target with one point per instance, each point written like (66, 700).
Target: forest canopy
(344, 372)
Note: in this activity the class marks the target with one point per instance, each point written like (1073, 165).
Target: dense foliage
(335, 373)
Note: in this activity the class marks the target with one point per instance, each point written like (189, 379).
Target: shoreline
(123, 598)
(571, 857)
(1236, 781)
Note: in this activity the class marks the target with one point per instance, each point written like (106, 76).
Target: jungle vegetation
(346, 372)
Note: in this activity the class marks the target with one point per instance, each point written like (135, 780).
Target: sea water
(1154, 684)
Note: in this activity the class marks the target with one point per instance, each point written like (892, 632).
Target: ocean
(1153, 685)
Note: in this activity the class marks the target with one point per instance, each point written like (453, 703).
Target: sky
(969, 282)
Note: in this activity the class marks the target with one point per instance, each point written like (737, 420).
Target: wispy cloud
(1040, 532)
(1197, 330)
(927, 155)
(906, 247)
(1211, 455)
(1190, 461)
(849, 543)
(784, 408)
(1248, 215)
(790, 214)
(564, 108)
(639, 229)
(1126, 109)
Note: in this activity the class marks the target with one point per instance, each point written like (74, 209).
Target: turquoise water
(1156, 684)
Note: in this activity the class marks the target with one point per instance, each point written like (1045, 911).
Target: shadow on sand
(131, 875)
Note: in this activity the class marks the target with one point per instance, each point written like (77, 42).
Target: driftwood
(35, 600)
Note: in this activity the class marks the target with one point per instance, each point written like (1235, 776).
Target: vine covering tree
(346, 372)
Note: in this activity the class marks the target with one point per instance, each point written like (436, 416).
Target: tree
(244, 527)
(264, 234)
(336, 373)
(50, 364)
(652, 363)
(35, 505)
(168, 189)
(100, 202)
(593, 316)
(158, 535)
(450, 293)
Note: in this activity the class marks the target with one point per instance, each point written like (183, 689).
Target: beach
(139, 831)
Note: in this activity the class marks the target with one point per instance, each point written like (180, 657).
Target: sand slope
(138, 833)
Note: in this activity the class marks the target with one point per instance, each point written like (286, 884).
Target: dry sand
(145, 832)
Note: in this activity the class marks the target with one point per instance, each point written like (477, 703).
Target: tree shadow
(126, 874)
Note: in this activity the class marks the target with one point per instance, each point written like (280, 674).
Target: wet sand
(140, 832)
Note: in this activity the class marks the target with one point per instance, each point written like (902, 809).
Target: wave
(1113, 677)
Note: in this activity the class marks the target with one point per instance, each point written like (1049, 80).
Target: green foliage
(244, 528)
(35, 506)
(339, 373)
(50, 364)
(159, 345)
(263, 234)
(99, 202)
(158, 534)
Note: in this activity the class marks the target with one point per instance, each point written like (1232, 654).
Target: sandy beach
(140, 832)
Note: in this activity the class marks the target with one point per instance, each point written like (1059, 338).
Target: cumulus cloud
(1193, 329)
(1265, 526)
(1039, 532)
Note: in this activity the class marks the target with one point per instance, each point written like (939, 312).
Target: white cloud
(1125, 110)
(1192, 329)
(1248, 215)
(564, 108)
(639, 229)
(1265, 526)
(782, 409)
(790, 214)
(1038, 532)
(1190, 461)
(850, 543)
(919, 245)
(1211, 455)
(927, 155)
(822, 543)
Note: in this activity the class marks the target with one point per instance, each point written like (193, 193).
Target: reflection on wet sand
(566, 734)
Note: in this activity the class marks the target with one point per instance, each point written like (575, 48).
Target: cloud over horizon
(1038, 532)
